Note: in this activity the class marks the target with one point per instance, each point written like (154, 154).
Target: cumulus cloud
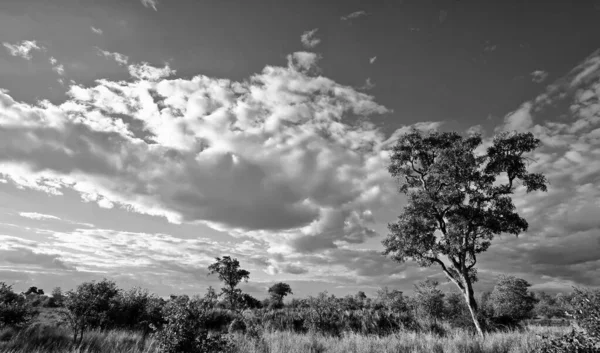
(353, 15)
(96, 30)
(118, 57)
(270, 158)
(23, 49)
(150, 4)
(308, 38)
(56, 67)
(145, 71)
(567, 119)
(303, 61)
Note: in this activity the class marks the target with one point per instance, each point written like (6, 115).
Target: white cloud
(372, 60)
(353, 15)
(56, 67)
(96, 30)
(368, 84)
(118, 57)
(150, 3)
(308, 38)
(23, 49)
(270, 158)
(539, 76)
(145, 71)
(303, 61)
(38, 216)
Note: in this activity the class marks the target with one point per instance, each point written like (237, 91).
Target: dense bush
(585, 337)
(15, 311)
(185, 329)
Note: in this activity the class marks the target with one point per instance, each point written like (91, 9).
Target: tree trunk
(472, 304)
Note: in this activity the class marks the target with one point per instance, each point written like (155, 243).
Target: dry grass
(44, 339)
(455, 342)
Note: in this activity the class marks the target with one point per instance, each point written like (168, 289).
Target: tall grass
(46, 339)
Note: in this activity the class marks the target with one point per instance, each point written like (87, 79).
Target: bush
(15, 311)
(185, 328)
(585, 338)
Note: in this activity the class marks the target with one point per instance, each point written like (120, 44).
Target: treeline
(181, 323)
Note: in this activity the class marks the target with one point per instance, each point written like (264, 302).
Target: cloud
(150, 4)
(353, 15)
(566, 117)
(145, 71)
(23, 49)
(372, 60)
(539, 76)
(308, 38)
(368, 84)
(303, 61)
(37, 216)
(489, 47)
(96, 30)
(119, 58)
(56, 67)
(271, 158)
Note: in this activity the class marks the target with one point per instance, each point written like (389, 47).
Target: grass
(40, 338)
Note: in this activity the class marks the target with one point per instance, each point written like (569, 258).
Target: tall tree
(230, 273)
(458, 200)
(278, 291)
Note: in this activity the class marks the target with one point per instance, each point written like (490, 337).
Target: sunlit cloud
(96, 30)
(353, 15)
(150, 4)
(308, 38)
(23, 49)
(118, 57)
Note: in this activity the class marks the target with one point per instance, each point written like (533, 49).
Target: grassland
(40, 338)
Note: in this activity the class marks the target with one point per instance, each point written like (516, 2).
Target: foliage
(511, 301)
(278, 291)
(457, 200)
(185, 328)
(430, 299)
(137, 309)
(230, 273)
(548, 306)
(15, 311)
(89, 306)
(585, 310)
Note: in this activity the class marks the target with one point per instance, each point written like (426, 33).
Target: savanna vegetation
(458, 199)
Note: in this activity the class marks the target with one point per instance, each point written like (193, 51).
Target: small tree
(510, 300)
(231, 274)
(430, 300)
(458, 200)
(278, 291)
(58, 298)
(185, 329)
(89, 306)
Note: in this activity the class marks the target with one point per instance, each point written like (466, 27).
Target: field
(40, 338)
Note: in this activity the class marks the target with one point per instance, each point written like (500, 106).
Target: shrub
(585, 338)
(15, 311)
(185, 328)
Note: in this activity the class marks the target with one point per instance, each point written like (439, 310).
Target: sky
(140, 139)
